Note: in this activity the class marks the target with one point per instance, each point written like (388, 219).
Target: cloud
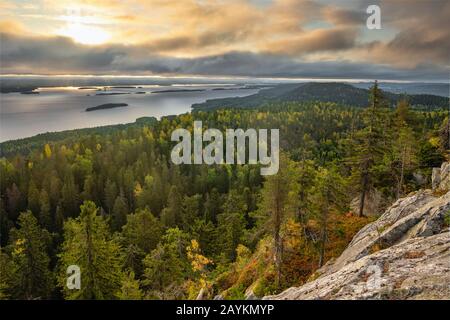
(233, 37)
(423, 35)
(340, 16)
(315, 41)
(20, 54)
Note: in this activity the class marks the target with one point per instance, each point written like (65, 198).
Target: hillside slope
(340, 93)
(404, 254)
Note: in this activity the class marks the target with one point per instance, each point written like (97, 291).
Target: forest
(139, 227)
(340, 93)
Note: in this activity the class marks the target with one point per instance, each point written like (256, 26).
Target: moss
(236, 292)
(447, 219)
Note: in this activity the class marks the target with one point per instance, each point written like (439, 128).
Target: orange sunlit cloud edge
(283, 38)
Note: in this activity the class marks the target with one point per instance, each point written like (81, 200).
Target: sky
(230, 38)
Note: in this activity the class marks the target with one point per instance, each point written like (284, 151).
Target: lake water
(63, 108)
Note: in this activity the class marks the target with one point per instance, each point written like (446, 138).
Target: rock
(419, 178)
(403, 254)
(372, 204)
(445, 176)
(201, 294)
(435, 178)
(440, 177)
(250, 295)
(419, 268)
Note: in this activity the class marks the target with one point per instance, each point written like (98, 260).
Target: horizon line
(284, 79)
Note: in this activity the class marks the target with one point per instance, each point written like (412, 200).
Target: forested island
(111, 93)
(161, 231)
(178, 90)
(107, 106)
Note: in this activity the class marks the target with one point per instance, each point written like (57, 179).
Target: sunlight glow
(85, 34)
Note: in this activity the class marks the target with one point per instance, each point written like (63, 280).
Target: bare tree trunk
(323, 235)
(363, 194)
(278, 248)
(277, 238)
(402, 170)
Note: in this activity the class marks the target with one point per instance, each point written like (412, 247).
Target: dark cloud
(423, 33)
(315, 41)
(20, 54)
(45, 54)
(347, 17)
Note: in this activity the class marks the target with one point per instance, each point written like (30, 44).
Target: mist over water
(63, 108)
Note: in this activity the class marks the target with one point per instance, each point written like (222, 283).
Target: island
(30, 92)
(123, 87)
(111, 93)
(178, 90)
(107, 106)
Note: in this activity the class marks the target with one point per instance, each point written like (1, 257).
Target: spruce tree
(171, 215)
(371, 145)
(31, 277)
(88, 244)
(279, 200)
(119, 212)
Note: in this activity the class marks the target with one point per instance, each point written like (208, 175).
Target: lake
(63, 108)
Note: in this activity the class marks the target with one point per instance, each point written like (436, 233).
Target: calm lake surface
(63, 108)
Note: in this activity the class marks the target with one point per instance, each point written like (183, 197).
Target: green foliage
(119, 212)
(130, 288)
(141, 212)
(30, 276)
(88, 244)
(139, 236)
(166, 266)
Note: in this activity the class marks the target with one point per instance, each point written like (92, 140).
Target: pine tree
(279, 198)
(328, 194)
(6, 273)
(5, 224)
(130, 288)
(70, 197)
(171, 215)
(119, 212)
(88, 244)
(191, 210)
(14, 201)
(371, 145)
(404, 145)
(166, 266)
(31, 277)
(140, 235)
(306, 175)
(231, 225)
(143, 230)
(33, 198)
(110, 195)
(212, 206)
(44, 212)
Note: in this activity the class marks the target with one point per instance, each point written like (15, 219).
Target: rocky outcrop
(440, 179)
(373, 202)
(404, 254)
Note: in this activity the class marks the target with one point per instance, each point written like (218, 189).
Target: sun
(85, 34)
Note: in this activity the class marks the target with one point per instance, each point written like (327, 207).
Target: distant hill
(340, 93)
(438, 89)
